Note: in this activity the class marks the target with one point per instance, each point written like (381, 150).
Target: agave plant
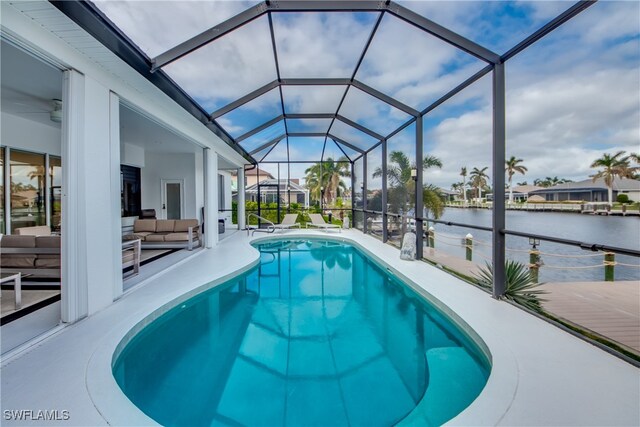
(519, 287)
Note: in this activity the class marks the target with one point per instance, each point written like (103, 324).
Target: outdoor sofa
(38, 256)
(166, 233)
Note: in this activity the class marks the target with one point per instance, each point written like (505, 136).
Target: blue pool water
(316, 334)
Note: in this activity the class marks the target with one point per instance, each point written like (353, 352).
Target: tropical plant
(432, 200)
(519, 287)
(463, 174)
(511, 167)
(324, 179)
(611, 167)
(550, 181)
(401, 187)
(479, 180)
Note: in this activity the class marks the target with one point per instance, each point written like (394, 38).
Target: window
(27, 186)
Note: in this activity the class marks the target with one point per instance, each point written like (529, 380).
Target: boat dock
(609, 309)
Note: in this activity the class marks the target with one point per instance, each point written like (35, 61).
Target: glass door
(172, 199)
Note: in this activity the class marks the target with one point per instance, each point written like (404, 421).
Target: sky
(571, 97)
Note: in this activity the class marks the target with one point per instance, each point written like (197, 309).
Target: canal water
(561, 263)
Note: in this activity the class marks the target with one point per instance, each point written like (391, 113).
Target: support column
(419, 209)
(354, 188)
(499, 144)
(242, 215)
(210, 197)
(73, 244)
(115, 212)
(99, 197)
(385, 234)
(91, 260)
(364, 193)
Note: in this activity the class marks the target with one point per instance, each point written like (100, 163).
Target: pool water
(316, 334)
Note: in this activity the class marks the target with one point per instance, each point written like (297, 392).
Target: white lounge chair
(318, 221)
(289, 221)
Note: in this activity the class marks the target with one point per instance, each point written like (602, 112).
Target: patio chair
(289, 221)
(318, 221)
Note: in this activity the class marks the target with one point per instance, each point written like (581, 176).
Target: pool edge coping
(115, 408)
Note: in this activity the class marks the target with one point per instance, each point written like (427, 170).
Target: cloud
(571, 97)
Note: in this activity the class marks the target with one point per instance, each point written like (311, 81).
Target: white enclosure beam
(241, 201)
(210, 197)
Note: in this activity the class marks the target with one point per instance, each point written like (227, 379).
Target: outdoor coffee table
(16, 278)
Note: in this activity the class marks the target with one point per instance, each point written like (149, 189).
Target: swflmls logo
(38, 415)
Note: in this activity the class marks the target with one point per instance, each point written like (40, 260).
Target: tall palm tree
(463, 174)
(324, 179)
(612, 166)
(479, 179)
(511, 167)
(401, 187)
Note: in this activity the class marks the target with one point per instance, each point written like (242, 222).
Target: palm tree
(463, 174)
(458, 187)
(478, 179)
(612, 166)
(324, 179)
(402, 187)
(511, 167)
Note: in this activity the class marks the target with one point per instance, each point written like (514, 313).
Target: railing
(251, 229)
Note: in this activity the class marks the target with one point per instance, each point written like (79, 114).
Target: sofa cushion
(139, 235)
(39, 230)
(17, 261)
(18, 241)
(144, 225)
(183, 225)
(46, 262)
(165, 225)
(156, 237)
(177, 237)
(48, 242)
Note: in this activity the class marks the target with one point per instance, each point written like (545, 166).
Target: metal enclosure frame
(92, 20)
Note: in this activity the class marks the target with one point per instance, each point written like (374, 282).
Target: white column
(99, 198)
(210, 197)
(73, 264)
(241, 200)
(91, 260)
(116, 182)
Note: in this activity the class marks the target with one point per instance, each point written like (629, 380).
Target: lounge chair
(318, 221)
(289, 221)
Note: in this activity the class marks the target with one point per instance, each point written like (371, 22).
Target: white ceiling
(28, 85)
(139, 130)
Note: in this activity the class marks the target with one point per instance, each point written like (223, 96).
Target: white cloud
(570, 97)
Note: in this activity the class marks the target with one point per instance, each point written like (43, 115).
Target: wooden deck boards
(611, 309)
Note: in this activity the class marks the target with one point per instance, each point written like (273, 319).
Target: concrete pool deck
(541, 375)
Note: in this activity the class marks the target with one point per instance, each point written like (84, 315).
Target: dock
(609, 309)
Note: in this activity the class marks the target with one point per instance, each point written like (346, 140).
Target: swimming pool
(316, 334)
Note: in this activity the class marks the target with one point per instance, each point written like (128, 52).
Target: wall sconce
(414, 174)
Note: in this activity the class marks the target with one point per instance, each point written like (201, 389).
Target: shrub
(623, 198)
(520, 289)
